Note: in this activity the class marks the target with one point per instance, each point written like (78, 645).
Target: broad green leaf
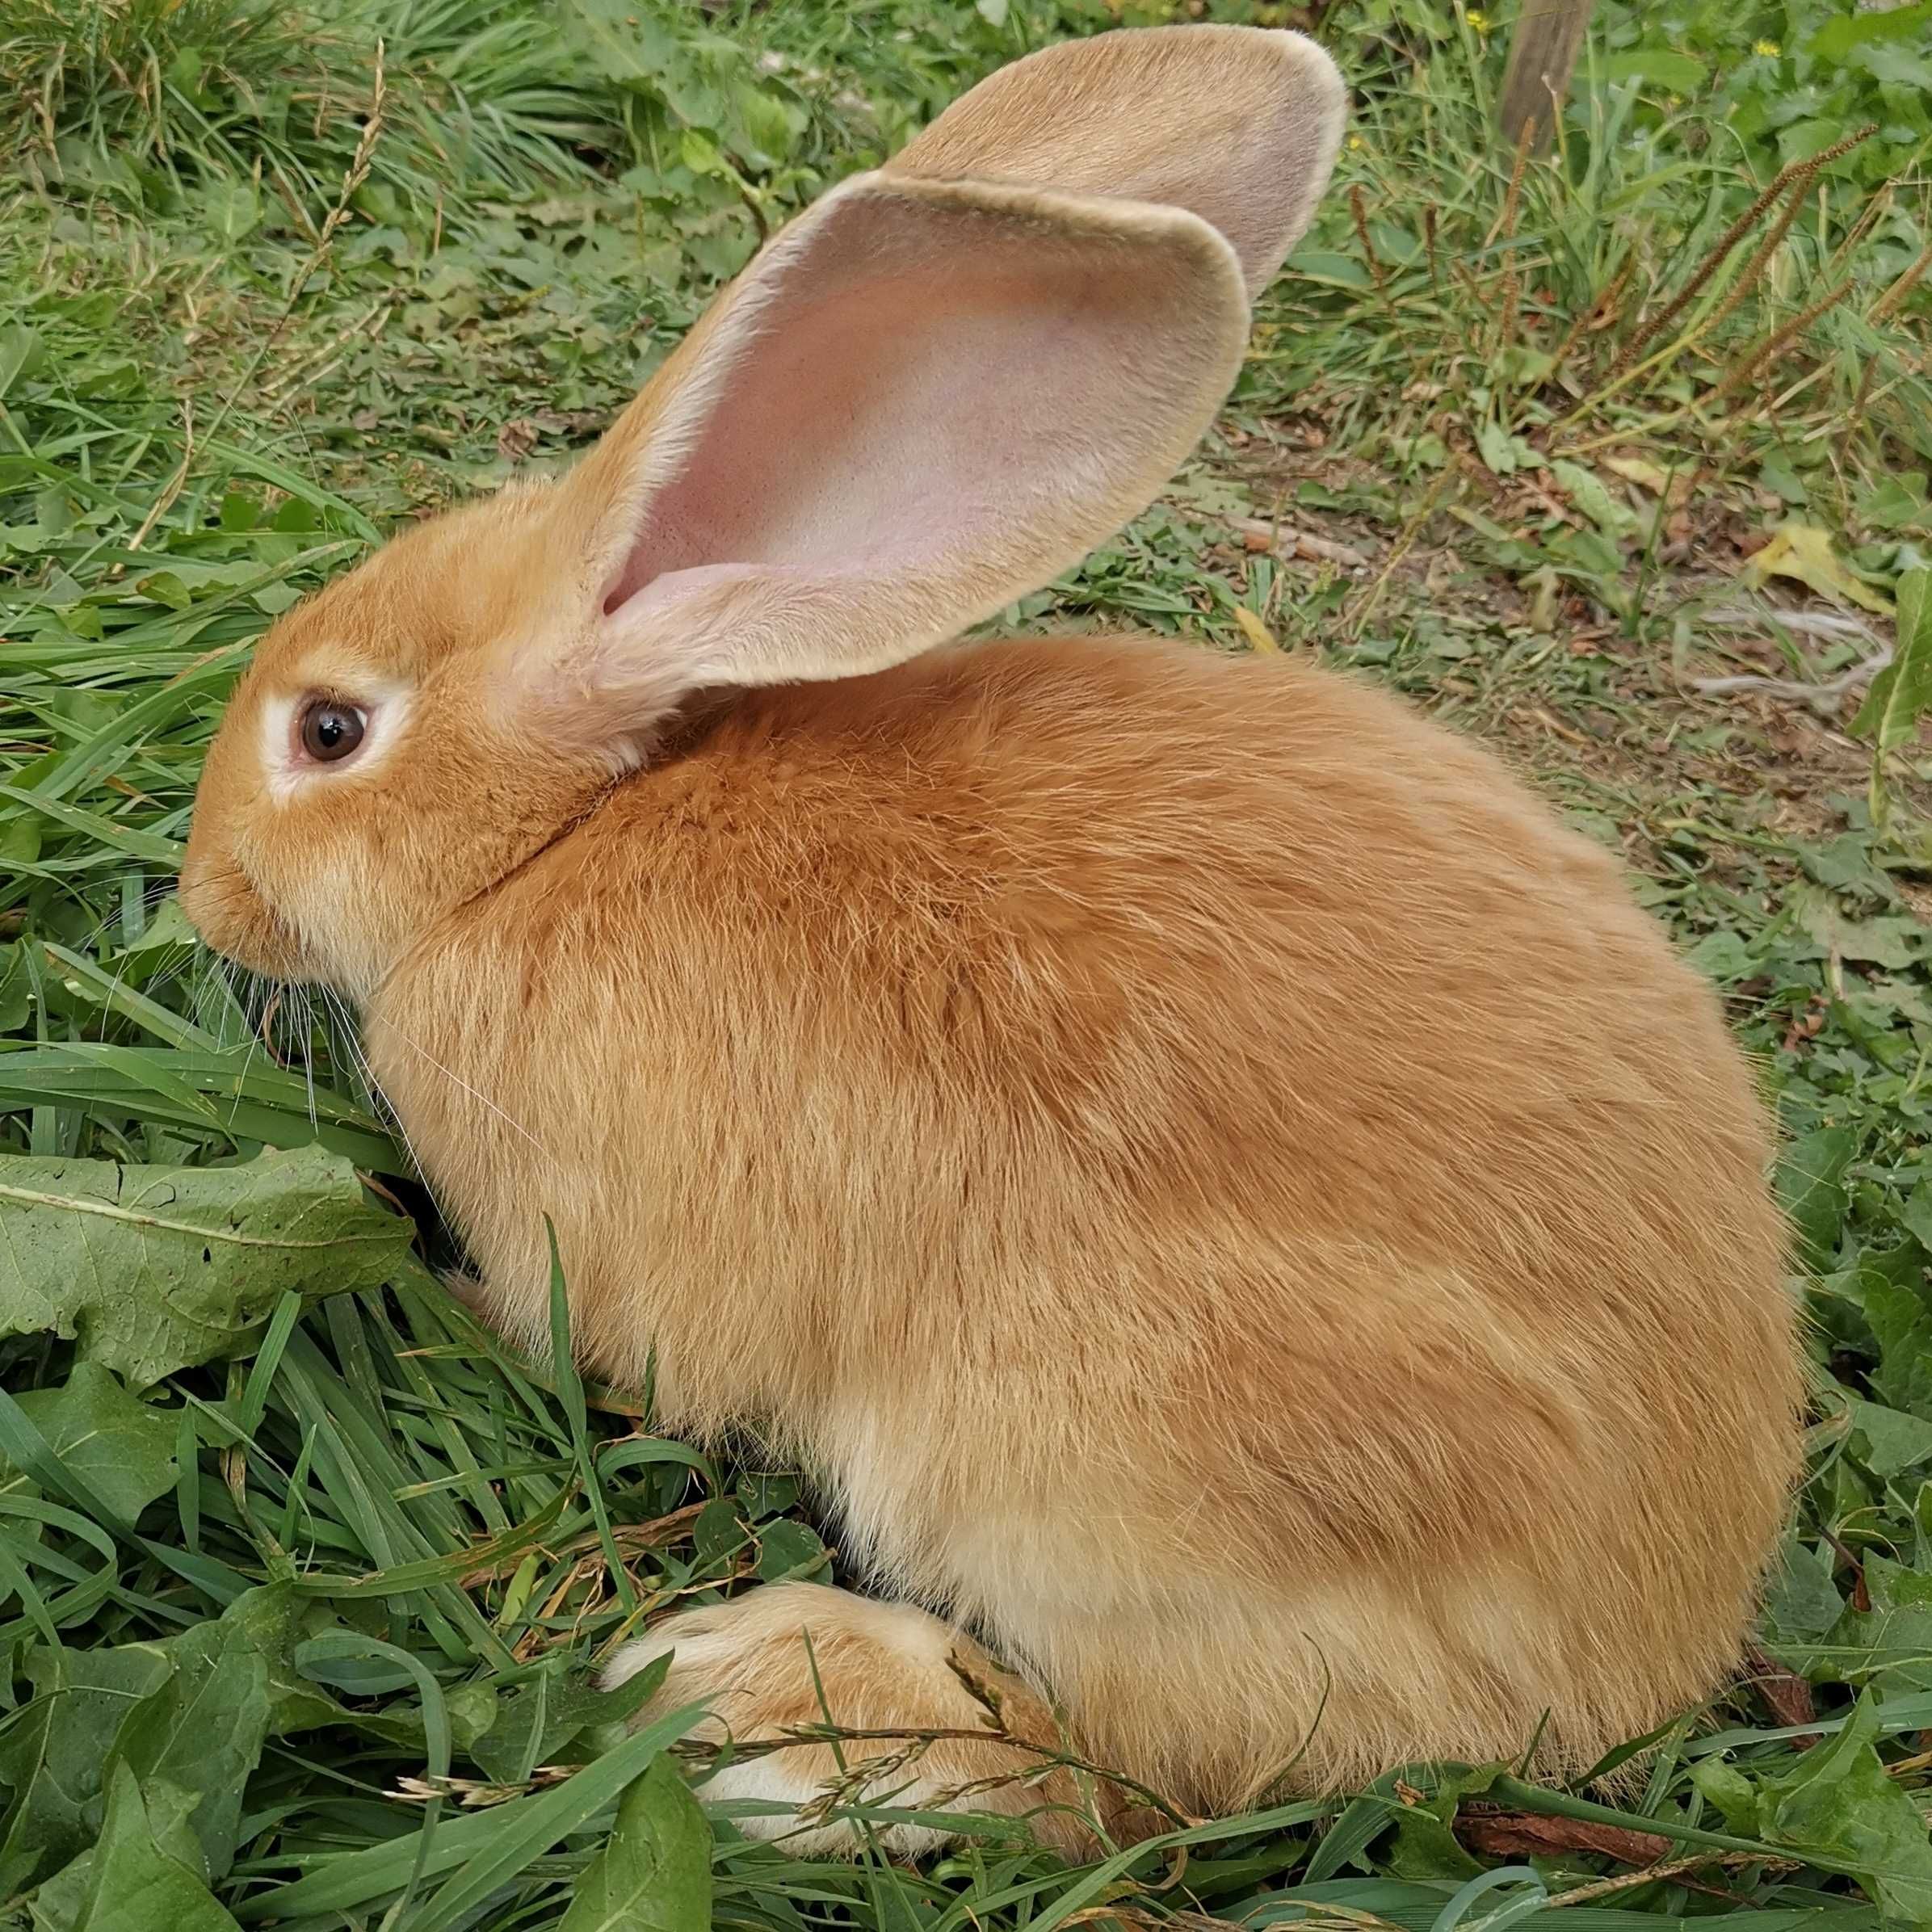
(233, 209)
(202, 1730)
(788, 1550)
(1503, 453)
(1846, 31)
(718, 1536)
(1365, 1818)
(1811, 1185)
(1888, 1646)
(129, 1882)
(1801, 1601)
(1426, 1845)
(1895, 943)
(52, 1753)
(1897, 1631)
(273, 1620)
(1731, 1791)
(21, 353)
(1917, 1215)
(59, 1901)
(123, 1447)
(1896, 66)
(1901, 693)
(1679, 71)
(1840, 1802)
(471, 1708)
(1901, 1319)
(186, 1708)
(544, 1818)
(1324, 265)
(1845, 863)
(1724, 955)
(1894, 1441)
(698, 152)
(1895, 503)
(654, 1876)
(1587, 490)
(16, 990)
(154, 1269)
(704, 81)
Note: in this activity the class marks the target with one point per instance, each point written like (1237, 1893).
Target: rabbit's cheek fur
(332, 874)
(220, 887)
(303, 886)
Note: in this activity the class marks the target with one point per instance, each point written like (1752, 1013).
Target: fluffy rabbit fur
(1248, 1219)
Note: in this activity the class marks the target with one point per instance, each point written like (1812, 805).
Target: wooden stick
(1542, 55)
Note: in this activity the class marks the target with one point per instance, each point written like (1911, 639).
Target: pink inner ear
(900, 405)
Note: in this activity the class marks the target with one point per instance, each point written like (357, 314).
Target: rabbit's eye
(331, 732)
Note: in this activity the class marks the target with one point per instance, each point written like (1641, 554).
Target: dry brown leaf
(516, 440)
(1523, 1834)
(1789, 1695)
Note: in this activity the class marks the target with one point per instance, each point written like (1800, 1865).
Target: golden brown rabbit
(1249, 1219)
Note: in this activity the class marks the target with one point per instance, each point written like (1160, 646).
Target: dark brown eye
(331, 732)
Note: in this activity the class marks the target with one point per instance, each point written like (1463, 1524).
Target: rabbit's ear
(1239, 124)
(922, 399)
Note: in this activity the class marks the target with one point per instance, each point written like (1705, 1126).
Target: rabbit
(1265, 1247)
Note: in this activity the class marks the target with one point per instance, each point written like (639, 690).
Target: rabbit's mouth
(223, 905)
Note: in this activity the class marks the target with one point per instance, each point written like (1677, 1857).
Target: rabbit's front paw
(793, 1657)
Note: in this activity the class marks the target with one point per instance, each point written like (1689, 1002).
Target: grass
(298, 1581)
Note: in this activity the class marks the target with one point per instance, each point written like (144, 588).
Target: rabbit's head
(934, 391)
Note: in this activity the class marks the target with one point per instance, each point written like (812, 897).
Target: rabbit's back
(1131, 1114)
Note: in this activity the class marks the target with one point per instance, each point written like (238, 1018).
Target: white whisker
(373, 1096)
(308, 1053)
(456, 1081)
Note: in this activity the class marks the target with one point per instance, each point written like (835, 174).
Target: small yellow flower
(1355, 141)
(1479, 21)
(1768, 49)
